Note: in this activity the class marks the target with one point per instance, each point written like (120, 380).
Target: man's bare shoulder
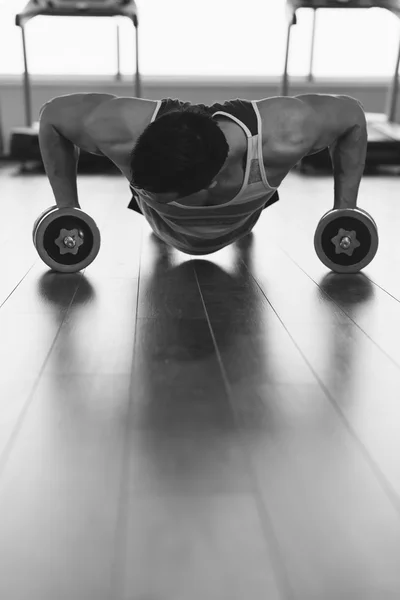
(121, 119)
(308, 122)
(281, 116)
(86, 119)
(286, 136)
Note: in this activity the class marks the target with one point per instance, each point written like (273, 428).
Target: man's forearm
(348, 155)
(60, 159)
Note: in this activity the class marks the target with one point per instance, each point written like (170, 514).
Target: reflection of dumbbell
(66, 239)
(346, 239)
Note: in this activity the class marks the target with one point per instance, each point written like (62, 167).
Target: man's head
(179, 154)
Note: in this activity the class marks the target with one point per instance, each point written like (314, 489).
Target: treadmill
(25, 140)
(383, 131)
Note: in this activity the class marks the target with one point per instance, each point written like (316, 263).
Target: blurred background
(202, 52)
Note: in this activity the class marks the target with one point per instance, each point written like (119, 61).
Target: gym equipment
(40, 217)
(66, 239)
(25, 139)
(346, 239)
(383, 132)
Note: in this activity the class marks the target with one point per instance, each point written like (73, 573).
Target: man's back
(110, 125)
(288, 129)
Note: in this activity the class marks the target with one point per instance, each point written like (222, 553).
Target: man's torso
(111, 126)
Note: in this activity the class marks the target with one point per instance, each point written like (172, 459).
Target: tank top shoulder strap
(241, 110)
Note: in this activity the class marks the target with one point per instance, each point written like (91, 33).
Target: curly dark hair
(181, 151)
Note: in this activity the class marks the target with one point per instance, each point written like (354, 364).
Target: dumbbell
(66, 239)
(346, 239)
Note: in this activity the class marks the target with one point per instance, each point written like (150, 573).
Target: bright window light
(216, 38)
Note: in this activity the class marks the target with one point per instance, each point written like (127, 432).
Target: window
(214, 37)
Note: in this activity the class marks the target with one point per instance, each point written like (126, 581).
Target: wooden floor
(184, 428)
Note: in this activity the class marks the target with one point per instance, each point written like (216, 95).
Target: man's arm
(62, 132)
(339, 123)
(60, 158)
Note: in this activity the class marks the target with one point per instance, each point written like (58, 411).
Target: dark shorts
(133, 204)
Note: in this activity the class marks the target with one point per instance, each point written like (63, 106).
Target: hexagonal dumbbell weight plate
(346, 239)
(66, 239)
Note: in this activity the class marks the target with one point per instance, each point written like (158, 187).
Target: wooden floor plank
(97, 334)
(60, 490)
(197, 547)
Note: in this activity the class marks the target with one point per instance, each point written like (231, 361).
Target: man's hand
(339, 122)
